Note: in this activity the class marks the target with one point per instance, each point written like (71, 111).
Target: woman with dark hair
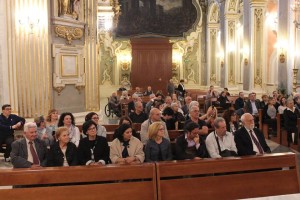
(126, 149)
(231, 120)
(101, 130)
(94, 149)
(282, 106)
(63, 152)
(67, 120)
(290, 115)
(125, 120)
(224, 101)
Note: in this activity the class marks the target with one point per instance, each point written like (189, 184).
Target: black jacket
(181, 146)
(7, 123)
(56, 156)
(101, 150)
(243, 142)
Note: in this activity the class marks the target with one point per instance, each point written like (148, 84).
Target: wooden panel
(113, 191)
(151, 63)
(231, 186)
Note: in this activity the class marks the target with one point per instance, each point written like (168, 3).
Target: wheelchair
(110, 111)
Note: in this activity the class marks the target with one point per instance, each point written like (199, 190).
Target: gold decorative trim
(58, 89)
(70, 33)
(79, 88)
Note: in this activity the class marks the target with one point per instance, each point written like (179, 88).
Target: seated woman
(101, 130)
(126, 120)
(52, 121)
(44, 133)
(269, 115)
(282, 106)
(94, 149)
(67, 120)
(178, 116)
(120, 153)
(63, 152)
(231, 121)
(157, 148)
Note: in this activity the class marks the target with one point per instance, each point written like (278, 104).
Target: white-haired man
(29, 152)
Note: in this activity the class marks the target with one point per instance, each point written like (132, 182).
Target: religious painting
(170, 18)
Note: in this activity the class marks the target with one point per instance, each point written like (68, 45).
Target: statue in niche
(76, 9)
(125, 82)
(69, 7)
(191, 75)
(106, 75)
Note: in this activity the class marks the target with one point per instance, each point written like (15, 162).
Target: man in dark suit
(29, 152)
(252, 106)
(181, 88)
(249, 140)
(190, 145)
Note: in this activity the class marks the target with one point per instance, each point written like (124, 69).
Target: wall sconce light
(220, 55)
(281, 47)
(245, 51)
(176, 60)
(30, 23)
(125, 61)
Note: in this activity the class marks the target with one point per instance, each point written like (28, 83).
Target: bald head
(248, 121)
(154, 114)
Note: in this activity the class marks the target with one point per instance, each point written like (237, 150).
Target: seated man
(250, 140)
(8, 123)
(148, 91)
(218, 141)
(190, 145)
(154, 116)
(138, 116)
(252, 106)
(135, 99)
(138, 92)
(168, 118)
(240, 104)
(194, 117)
(29, 152)
(114, 104)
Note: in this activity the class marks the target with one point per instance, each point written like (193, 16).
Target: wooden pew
(81, 182)
(228, 178)
(110, 127)
(173, 134)
(265, 128)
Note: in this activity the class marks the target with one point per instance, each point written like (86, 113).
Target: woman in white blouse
(67, 120)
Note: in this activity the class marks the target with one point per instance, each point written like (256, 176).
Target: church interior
(71, 55)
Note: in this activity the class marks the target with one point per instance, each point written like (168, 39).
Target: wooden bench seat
(228, 178)
(87, 182)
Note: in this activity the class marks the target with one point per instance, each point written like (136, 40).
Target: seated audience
(185, 107)
(224, 101)
(252, 106)
(194, 117)
(63, 152)
(126, 149)
(157, 148)
(138, 92)
(44, 133)
(93, 149)
(220, 143)
(126, 120)
(154, 116)
(231, 121)
(148, 91)
(240, 104)
(178, 116)
(297, 102)
(101, 130)
(226, 91)
(168, 102)
(264, 101)
(290, 116)
(150, 103)
(250, 140)
(277, 97)
(138, 116)
(29, 152)
(282, 106)
(168, 118)
(114, 104)
(131, 103)
(8, 123)
(124, 95)
(211, 93)
(52, 121)
(175, 100)
(67, 120)
(269, 115)
(190, 145)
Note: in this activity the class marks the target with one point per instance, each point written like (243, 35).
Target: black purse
(226, 152)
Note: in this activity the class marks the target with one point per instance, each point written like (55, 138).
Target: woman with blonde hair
(157, 148)
(52, 121)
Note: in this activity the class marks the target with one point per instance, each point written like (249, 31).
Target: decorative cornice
(70, 33)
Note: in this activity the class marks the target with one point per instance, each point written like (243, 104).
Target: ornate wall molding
(69, 33)
(68, 67)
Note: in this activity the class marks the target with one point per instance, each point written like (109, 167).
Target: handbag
(226, 152)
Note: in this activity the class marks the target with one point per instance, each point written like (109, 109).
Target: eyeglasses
(92, 128)
(161, 129)
(95, 117)
(7, 109)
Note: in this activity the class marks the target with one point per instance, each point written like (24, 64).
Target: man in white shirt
(220, 140)
(29, 152)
